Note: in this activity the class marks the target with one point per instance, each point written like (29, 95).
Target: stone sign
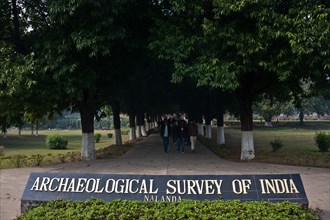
(172, 188)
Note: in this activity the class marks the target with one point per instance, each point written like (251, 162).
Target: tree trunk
(138, 131)
(87, 126)
(116, 123)
(268, 120)
(132, 132)
(301, 116)
(148, 126)
(143, 127)
(208, 129)
(140, 124)
(117, 137)
(268, 124)
(37, 128)
(246, 117)
(220, 130)
(200, 127)
(32, 129)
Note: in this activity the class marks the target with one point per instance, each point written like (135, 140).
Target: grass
(28, 146)
(299, 145)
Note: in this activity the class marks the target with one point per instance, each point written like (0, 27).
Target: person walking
(165, 133)
(174, 129)
(182, 134)
(193, 131)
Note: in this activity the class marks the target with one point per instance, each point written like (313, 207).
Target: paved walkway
(147, 157)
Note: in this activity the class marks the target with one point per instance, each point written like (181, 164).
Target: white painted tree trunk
(138, 131)
(117, 137)
(247, 144)
(132, 134)
(200, 129)
(268, 124)
(220, 135)
(143, 131)
(208, 131)
(88, 146)
(147, 127)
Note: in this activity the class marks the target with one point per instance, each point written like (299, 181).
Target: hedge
(186, 209)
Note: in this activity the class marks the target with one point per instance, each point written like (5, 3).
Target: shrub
(72, 156)
(2, 150)
(276, 144)
(61, 157)
(37, 159)
(124, 132)
(110, 135)
(18, 160)
(322, 141)
(56, 142)
(97, 137)
(186, 209)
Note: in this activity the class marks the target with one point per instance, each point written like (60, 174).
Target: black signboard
(172, 188)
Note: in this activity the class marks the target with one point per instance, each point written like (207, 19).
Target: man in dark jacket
(165, 130)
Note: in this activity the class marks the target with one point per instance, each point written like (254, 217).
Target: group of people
(180, 130)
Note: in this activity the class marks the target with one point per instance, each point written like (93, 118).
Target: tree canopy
(248, 46)
(83, 55)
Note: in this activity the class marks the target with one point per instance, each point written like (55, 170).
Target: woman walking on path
(192, 131)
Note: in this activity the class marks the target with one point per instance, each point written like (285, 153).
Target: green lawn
(31, 144)
(298, 148)
(25, 147)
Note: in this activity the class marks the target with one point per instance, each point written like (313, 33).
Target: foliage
(72, 156)
(56, 142)
(110, 135)
(187, 209)
(37, 159)
(97, 137)
(268, 108)
(18, 160)
(276, 144)
(231, 45)
(2, 150)
(124, 132)
(318, 104)
(61, 157)
(322, 141)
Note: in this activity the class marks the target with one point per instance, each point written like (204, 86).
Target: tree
(248, 47)
(21, 81)
(267, 108)
(75, 52)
